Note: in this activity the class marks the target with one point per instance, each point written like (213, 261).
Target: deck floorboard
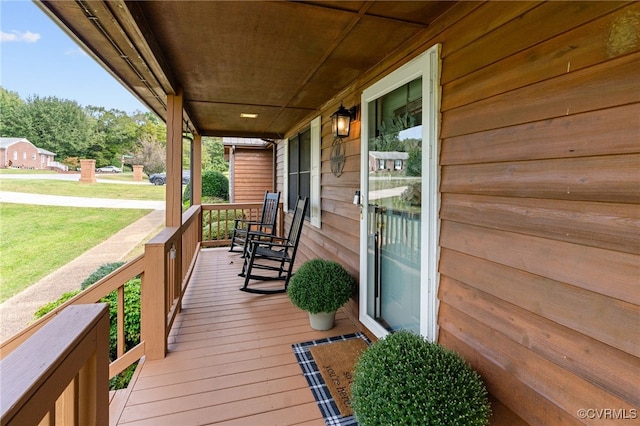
(230, 359)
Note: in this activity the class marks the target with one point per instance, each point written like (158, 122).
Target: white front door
(399, 183)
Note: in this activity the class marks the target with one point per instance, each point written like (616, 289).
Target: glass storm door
(398, 166)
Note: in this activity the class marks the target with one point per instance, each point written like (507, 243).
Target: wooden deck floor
(230, 359)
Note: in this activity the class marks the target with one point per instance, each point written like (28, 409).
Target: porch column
(196, 170)
(137, 172)
(174, 160)
(88, 171)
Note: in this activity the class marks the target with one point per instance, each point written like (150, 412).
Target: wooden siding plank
(609, 368)
(253, 174)
(601, 271)
(567, 391)
(533, 407)
(577, 135)
(599, 317)
(319, 246)
(582, 47)
(489, 17)
(616, 180)
(576, 92)
(524, 31)
(342, 212)
(504, 107)
(602, 225)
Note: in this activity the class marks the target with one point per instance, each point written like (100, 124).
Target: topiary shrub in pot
(320, 287)
(405, 380)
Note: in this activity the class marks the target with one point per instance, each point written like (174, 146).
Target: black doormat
(319, 388)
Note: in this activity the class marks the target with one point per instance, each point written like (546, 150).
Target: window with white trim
(299, 168)
(302, 170)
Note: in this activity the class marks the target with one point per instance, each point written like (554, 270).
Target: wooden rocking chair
(266, 225)
(277, 255)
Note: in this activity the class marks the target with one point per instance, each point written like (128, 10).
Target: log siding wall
(252, 174)
(540, 202)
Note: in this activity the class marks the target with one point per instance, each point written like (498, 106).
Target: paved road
(62, 200)
(68, 176)
(17, 312)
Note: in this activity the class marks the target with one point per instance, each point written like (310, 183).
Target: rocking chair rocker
(277, 255)
(266, 224)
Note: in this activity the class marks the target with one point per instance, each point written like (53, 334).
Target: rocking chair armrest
(257, 234)
(248, 225)
(270, 244)
(246, 221)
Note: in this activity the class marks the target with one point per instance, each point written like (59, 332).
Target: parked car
(109, 169)
(161, 178)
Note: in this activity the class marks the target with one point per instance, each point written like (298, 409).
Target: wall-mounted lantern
(341, 121)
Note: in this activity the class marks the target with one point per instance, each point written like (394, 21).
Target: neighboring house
(251, 168)
(391, 161)
(19, 152)
(523, 251)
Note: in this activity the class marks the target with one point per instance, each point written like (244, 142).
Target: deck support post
(153, 321)
(196, 170)
(174, 160)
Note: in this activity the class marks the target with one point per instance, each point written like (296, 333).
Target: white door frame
(427, 66)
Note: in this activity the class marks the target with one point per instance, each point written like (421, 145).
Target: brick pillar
(137, 172)
(88, 171)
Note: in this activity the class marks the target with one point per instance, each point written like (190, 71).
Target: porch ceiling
(281, 60)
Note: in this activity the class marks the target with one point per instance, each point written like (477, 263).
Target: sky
(39, 58)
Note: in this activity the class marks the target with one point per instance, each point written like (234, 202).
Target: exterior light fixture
(341, 121)
(248, 115)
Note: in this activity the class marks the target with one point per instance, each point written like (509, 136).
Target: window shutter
(285, 178)
(316, 147)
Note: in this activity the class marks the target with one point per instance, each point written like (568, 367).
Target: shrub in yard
(100, 273)
(131, 315)
(214, 185)
(405, 380)
(186, 194)
(52, 305)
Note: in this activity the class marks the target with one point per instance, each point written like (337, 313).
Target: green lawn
(78, 189)
(26, 172)
(37, 240)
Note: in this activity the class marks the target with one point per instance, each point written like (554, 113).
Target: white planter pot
(322, 320)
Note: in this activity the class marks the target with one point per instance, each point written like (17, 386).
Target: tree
(14, 120)
(149, 126)
(60, 126)
(213, 155)
(72, 132)
(115, 134)
(151, 154)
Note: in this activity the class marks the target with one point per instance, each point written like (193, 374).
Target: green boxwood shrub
(320, 285)
(131, 314)
(214, 185)
(100, 273)
(405, 380)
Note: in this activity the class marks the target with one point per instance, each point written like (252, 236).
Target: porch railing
(164, 270)
(60, 374)
(218, 221)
